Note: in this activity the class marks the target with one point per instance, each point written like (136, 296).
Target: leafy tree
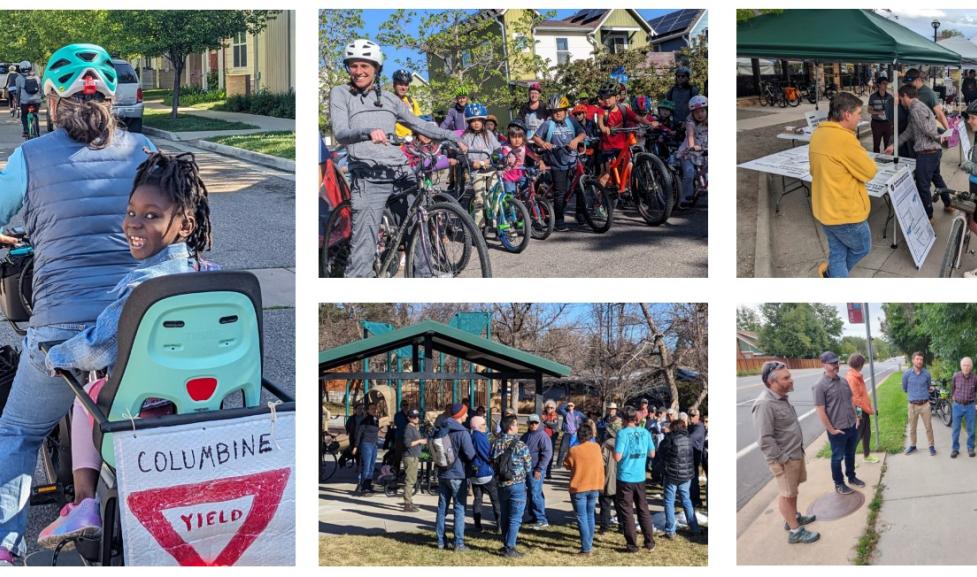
(34, 35)
(466, 50)
(798, 330)
(903, 328)
(747, 319)
(950, 33)
(953, 330)
(336, 29)
(175, 34)
(744, 14)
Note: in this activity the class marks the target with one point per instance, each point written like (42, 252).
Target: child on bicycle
(613, 116)
(481, 144)
(167, 225)
(516, 154)
(696, 140)
(559, 138)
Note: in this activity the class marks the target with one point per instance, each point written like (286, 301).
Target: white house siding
(577, 43)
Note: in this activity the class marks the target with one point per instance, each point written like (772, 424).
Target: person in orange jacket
(862, 402)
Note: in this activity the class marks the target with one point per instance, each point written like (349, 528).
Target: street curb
(249, 155)
(763, 251)
(174, 136)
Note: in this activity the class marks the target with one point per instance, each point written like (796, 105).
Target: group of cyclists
(23, 91)
(550, 137)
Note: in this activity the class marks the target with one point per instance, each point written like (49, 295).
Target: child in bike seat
(423, 144)
(481, 144)
(516, 154)
(696, 140)
(167, 225)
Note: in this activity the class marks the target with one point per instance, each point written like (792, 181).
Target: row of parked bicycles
(790, 93)
(439, 238)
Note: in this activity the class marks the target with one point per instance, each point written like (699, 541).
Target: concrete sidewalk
(792, 243)
(761, 539)
(927, 513)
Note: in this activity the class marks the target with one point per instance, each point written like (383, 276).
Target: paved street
(253, 213)
(751, 469)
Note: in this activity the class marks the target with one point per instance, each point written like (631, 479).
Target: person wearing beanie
(452, 480)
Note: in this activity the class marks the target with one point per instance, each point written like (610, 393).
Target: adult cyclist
(362, 116)
(73, 185)
(534, 112)
(28, 92)
(681, 92)
(402, 79)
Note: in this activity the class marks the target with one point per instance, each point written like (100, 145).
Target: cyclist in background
(681, 92)
(534, 112)
(363, 116)
(696, 139)
(28, 92)
(11, 85)
(581, 113)
(402, 79)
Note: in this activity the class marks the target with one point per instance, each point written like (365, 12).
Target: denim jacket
(97, 346)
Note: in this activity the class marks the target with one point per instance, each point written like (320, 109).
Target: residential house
(748, 345)
(247, 63)
(677, 30)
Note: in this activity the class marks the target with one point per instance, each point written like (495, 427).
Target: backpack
(31, 85)
(442, 450)
(504, 471)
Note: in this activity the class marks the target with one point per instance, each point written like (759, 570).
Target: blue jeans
(457, 490)
(688, 178)
(513, 500)
(843, 449)
(37, 402)
(968, 412)
(368, 457)
(584, 505)
(683, 494)
(512, 187)
(847, 244)
(537, 501)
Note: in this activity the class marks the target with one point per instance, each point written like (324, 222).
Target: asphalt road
(751, 468)
(252, 211)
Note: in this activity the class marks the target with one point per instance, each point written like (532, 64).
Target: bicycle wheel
(812, 95)
(452, 244)
(390, 489)
(337, 238)
(543, 217)
(954, 245)
(33, 130)
(388, 227)
(652, 184)
(514, 226)
(946, 412)
(796, 100)
(328, 466)
(764, 98)
(598, 206)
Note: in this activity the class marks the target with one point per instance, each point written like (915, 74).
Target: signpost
(857, 314)
(213, 493)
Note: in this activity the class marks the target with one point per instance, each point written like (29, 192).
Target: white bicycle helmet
(363, 49)
(25, 65)
(698, 101)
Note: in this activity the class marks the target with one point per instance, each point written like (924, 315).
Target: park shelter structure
(436, 353)
(842, 35)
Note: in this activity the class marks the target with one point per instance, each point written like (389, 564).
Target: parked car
(128, 105)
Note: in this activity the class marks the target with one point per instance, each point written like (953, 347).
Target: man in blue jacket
(572, 419)
(541, 451)
(452, 479)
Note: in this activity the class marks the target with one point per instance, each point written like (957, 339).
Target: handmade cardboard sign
(214, 493)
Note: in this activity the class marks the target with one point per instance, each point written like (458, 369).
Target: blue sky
(374, 18)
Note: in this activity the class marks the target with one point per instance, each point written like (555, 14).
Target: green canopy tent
(837, 35)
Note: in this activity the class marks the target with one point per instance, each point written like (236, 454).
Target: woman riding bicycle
(73, 185)
(362, 116)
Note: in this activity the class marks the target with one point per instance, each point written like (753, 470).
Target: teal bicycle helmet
(80, 69)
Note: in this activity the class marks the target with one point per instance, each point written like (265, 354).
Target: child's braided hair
(178, 177)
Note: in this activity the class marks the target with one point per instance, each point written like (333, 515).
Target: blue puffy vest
(76, 200)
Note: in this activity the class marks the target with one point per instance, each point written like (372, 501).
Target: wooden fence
(755, 364)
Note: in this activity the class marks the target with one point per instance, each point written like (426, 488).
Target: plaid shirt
(965, 388)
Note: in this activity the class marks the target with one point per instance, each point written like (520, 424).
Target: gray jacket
(778, 429)
(480, 145)
(354, 115)
(922, 129)
(26, 98)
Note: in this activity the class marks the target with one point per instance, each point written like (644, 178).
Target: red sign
(856, 315)
(266, 488)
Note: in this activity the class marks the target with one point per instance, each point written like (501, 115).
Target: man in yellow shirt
(402, 79)
(840, 168)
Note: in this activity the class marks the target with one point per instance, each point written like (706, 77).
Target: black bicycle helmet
(607, 89)
(403, 77)
(518, 123)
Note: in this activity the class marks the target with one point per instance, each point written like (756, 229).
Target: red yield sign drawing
(265, 488)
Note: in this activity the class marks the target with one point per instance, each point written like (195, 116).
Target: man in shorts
(780, 439)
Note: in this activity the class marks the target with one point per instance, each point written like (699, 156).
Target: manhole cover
(831, 506)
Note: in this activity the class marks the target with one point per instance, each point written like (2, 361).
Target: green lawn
(188, 123)
(892, 414)
(554, 546)
(281, 144)
(155, 94)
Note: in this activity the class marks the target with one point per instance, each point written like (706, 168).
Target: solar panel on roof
(673, 21)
